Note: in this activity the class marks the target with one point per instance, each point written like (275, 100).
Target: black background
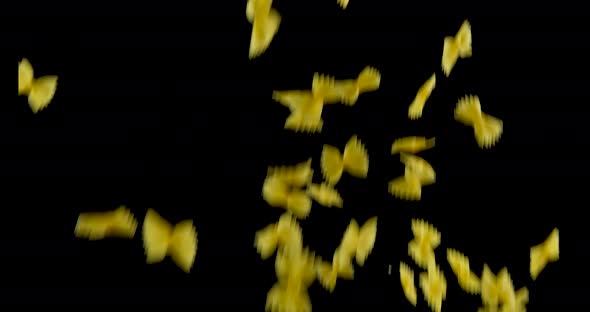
(160, 107)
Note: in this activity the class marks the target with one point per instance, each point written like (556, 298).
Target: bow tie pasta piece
(160, 238)
(306, 110)
(325, 194)
(347, 91)
(456, 47)
(265, 24)
(281, 299)
(499, 290)
(406, 276)
(517, 301)
(354, 160)
(426, 239)
(546, 252)
(298, 175)
(324, 86)
(487, 129)
(98, 225)
(280, 195)
(286, 232)
(343, 3)
(417, 106)
(418, 166)
(406, 187)
(467, 280)
(295, 271)
(341, 266)
(40, 91)
(434, 287)
(359, 241)
(424, 231)
(411, 144)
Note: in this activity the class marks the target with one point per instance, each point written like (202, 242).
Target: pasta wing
(342, 263)
(42, 92)
(156, 236)
(417, 106)
(467, 280)
(327, 276)
(546, 252)
(434, 287)
(25, 76)
(366, 241)
(450, 55)
(407, 187)
(266, 241)
(299, 122)
(298, 175)
(265, 26)
(299, 203)
(98, 225)
(488, 131)
(250, 9)
(293, 99)
(412, 144)
(325, 194)
(490, 293)
(406, 276)
(424, 231)
(356, 158)
(324, 86)
(369, 80)
(332, 164)
(343, 3)
(418, 166)
(183, 245)
(350, 238)
(275, 192)
(464, 40)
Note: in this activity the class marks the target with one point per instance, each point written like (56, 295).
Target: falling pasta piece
(348, 90)
(406, 276)
(487, 129)
(424, 231)
(325, 194)
(306, 110)
(517, 301)
(411, 144)
(160, 238)
(546, 252)
(341, 266)
(299, 203)
(286, 232)
(468, 280)
(406, 187)
(426, 239)
(324, 86)
(280, 299)
(40, 91)
(265, 24)
(434, 287)
(359, 241)
(354, 160)
(295, 271)
(456, 47)
(490, 288)
(298, 175)
(98, 225)
(280, 195)
(343, 3)
(418, 166)
(417, 106)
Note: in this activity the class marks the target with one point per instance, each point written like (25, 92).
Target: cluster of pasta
(160, 238)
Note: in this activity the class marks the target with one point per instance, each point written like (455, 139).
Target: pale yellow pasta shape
(160, 239)
(341, 266)
(306, 110)
(279, 194)
(434, 287)
(325, 194)
(467, 280)
(299, 203)
(40, 91)
(343, 3)
(347, 91)
(456, 47)
(275, 192)
(285, 233)
(350, 238)
(487, 129)
(281, 299)
(354, 160)
(420, 167)
(406, 276)
(426, 239)
(542, 254)
(412, 144)
(98, 225)
(298, 175)
(406, 187)
(265, 24)
(359, 241)
(415, 109)
(424, 231)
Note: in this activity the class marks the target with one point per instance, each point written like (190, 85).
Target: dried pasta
(325, 194)
(487, 129)
(412, 144)
(434, 287)
(98, 225)
(341, 266)
(39, 91)
(456, 47)
(348, 90)
(419, 167)
(298, 175)
(306, 110)
(426, 239)
(417, 106)
(546, 252)
(283, 188)
(497, 292)
(406, 276)
(161, 238)
(354, 160)
(468, 280)
(265, 24)
(286, 232)
(343, 3)
(359, 242)
(406, 187)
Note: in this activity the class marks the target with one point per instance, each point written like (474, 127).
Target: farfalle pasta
(359, 241)
(406, 276)
(354, 160)
(286, 232)
(343, 3)
(456, 47)
(265, 24)
(497, 292)
(487, 129)
(417, 106)
(341, 266)
(40, 91)
(418, 172)
(467, 280)
(421, 247)
(434, 287)
(347, 91)
(98, 225)
(160, 238)
(411, 144)
(325, 194)
(283, 188)
(546, 252)
(306, 110)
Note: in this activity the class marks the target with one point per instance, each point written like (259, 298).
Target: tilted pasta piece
(406, 276)
(298, 175)
(295, 271)
(498, 291)
(325, 194)
(286, 232)
(516, 301)
(343, 3)
(487, 129)
(98, 225)
(160, 238)
(417, 106)
(40, 91)
(306, 110)
(456, 47)
(434, 287)
(468, 280)
(412, 144)
(420, 167)
(348, 90)
(341, 266)
(354, 160)
(426, 239)
(546, 252)
(406, 187)
(424, 231)
(279, 194)
(265, 24)
(360, 242)
(324, 86)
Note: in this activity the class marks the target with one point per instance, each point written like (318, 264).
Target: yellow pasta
(161, 238)
(286, 232)
(468, 280)
(417, 106)
(412, 144)
(348, 90)
(324, 86)
(354, 160)
(279, 194)
(426, 239)
(341, 266)
(546, 252)
(298, 175)
(359, 242)
(419, 167)
(306, 110)
(497, 292)
(98, 225)
(325, 194)
(40, 91)
(265, 24)
(456, 47)
(343, 3)
(487, 129)
(406, 276)
(407, 187)
(434, 287)
(517, 301)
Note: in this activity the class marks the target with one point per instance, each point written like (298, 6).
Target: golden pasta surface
(40, 91)
(265, 24)
(354, 160)
(417, 106)
(546, 252)
(456, 47)
(98, 225)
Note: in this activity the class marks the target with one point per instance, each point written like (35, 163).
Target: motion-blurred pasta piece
(497, 292)
(286, 232)
(542, 254)
(354, 160)
(359, 242)
(325, 194)
(456, 47)
(341, 266)
(343, 3)
(406, 276)
(98, 225)
(306, 110)
(161, 238)
(298, 175)
(420, 167)
(434, 287)
(467, 280)
(418, 172)
(265, 24)
(40, 91)
(415, 109)
(347, 91)
(426, 239)
(283, 188)
(487, 129)
(411, 144)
